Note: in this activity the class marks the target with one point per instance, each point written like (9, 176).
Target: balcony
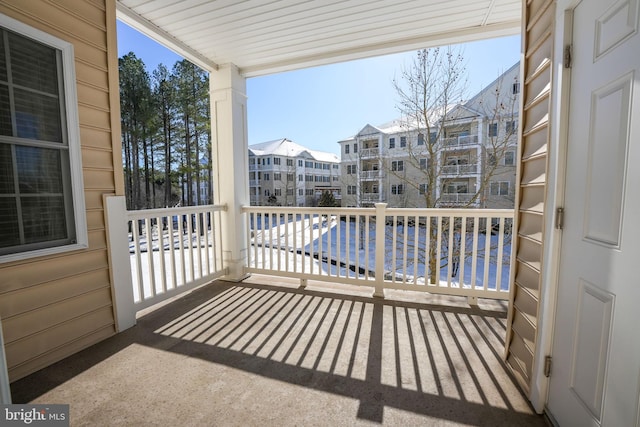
(460, 141)
(370, 197)
(371, 175)
(459, 170)
(369, 153)
(457, 198)
(304, 324)
(254, 183)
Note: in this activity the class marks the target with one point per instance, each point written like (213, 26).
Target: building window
(500, 188)
(300, 192)
(515, 88)
(397, 165)
(423, 189)
(493, 130)
(346, 148)
(392, 143)
(351, 190)
(309, 192)
(289, 191)
(289, 162)
(290, 177)
(423, 164)
(300, 163)
(266, 177)
(403, 141)
(277, 176)
(335, 166)
(277, 192)
(40, 172)
(335, 178)
(276, 160)
(511, 126)
(267, 193)
(420, 139)
(397, 189)
(355, 147)
(308, 164)
(308, 178)
(300, 177)
(509, 158)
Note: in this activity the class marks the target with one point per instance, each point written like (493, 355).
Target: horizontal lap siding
(536, 94)
(55, 306)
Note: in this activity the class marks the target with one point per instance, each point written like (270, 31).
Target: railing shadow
(440, 361)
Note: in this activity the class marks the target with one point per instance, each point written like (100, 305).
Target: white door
(595, 375)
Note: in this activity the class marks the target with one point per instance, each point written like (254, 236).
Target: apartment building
(284, 173)
(465, 158)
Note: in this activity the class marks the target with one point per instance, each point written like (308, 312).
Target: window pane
(9, 233)
(43, 219)
(33, 65)
(6, 170)
(39, 170)
(5, 111)
(37, 116)
(3, 59)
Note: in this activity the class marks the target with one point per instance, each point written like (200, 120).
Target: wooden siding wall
(522, 331)
(55, 306)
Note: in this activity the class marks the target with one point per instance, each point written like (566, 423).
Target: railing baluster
(191, 255)
(405, 228)
(160, 228)
(356, 249)
(416, 247)
(428, 248)
(499, 255)
(366, 246)
(474, 256)
(329, 242)
(487, 252)
(136, 248)
(463, 251)
(338, 244)
(207, 224)
(347, 244)
(198, 218)
(439, 250)
(152, 268)
(394, 246)
(172, 254)
(296, 258)
(278, 251)
(451, 232)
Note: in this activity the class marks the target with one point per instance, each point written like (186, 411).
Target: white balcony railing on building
(365, 175)
(173, 250)
(460, 141)
(458, 170)
(367, 153)
(254, 183)
(254, 167)
(451, 251)
(456, 198)
(370, 197)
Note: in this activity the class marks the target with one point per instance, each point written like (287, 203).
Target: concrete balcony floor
(265, 353)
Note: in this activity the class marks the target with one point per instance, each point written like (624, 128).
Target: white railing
(254, 183)
(371, 174)
(449, 251)
(458, 170)
(370, 197)
(460, 141)
(457, 198)
(366, 153)
(173, 250)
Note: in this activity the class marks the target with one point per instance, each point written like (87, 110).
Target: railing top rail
(182, 210)
(459, 212)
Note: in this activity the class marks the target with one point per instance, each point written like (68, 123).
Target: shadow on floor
(256, 354)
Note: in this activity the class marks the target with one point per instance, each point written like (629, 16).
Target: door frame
(554, 198)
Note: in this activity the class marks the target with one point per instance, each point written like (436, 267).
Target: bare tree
(450, 151)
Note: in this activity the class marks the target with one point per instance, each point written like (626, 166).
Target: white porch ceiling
(268, 36)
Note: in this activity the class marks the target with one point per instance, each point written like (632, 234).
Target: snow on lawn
(337, 240)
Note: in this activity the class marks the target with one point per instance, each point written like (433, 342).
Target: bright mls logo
(34, 415)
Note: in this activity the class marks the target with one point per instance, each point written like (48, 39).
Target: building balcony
(254, 183)
(371, 175)
(255, 167)
(460, 141)
(369, 153)
(451, 199)
(370, 197)
(460, 170)
(289, 331)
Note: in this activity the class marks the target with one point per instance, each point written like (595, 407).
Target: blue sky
(316, 107)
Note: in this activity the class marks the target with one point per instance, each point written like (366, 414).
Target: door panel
(595, 377)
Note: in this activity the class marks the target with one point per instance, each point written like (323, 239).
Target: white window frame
(70, 124)
(498, 185)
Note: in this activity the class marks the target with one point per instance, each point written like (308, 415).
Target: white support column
(119, 259)
(230, 162)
